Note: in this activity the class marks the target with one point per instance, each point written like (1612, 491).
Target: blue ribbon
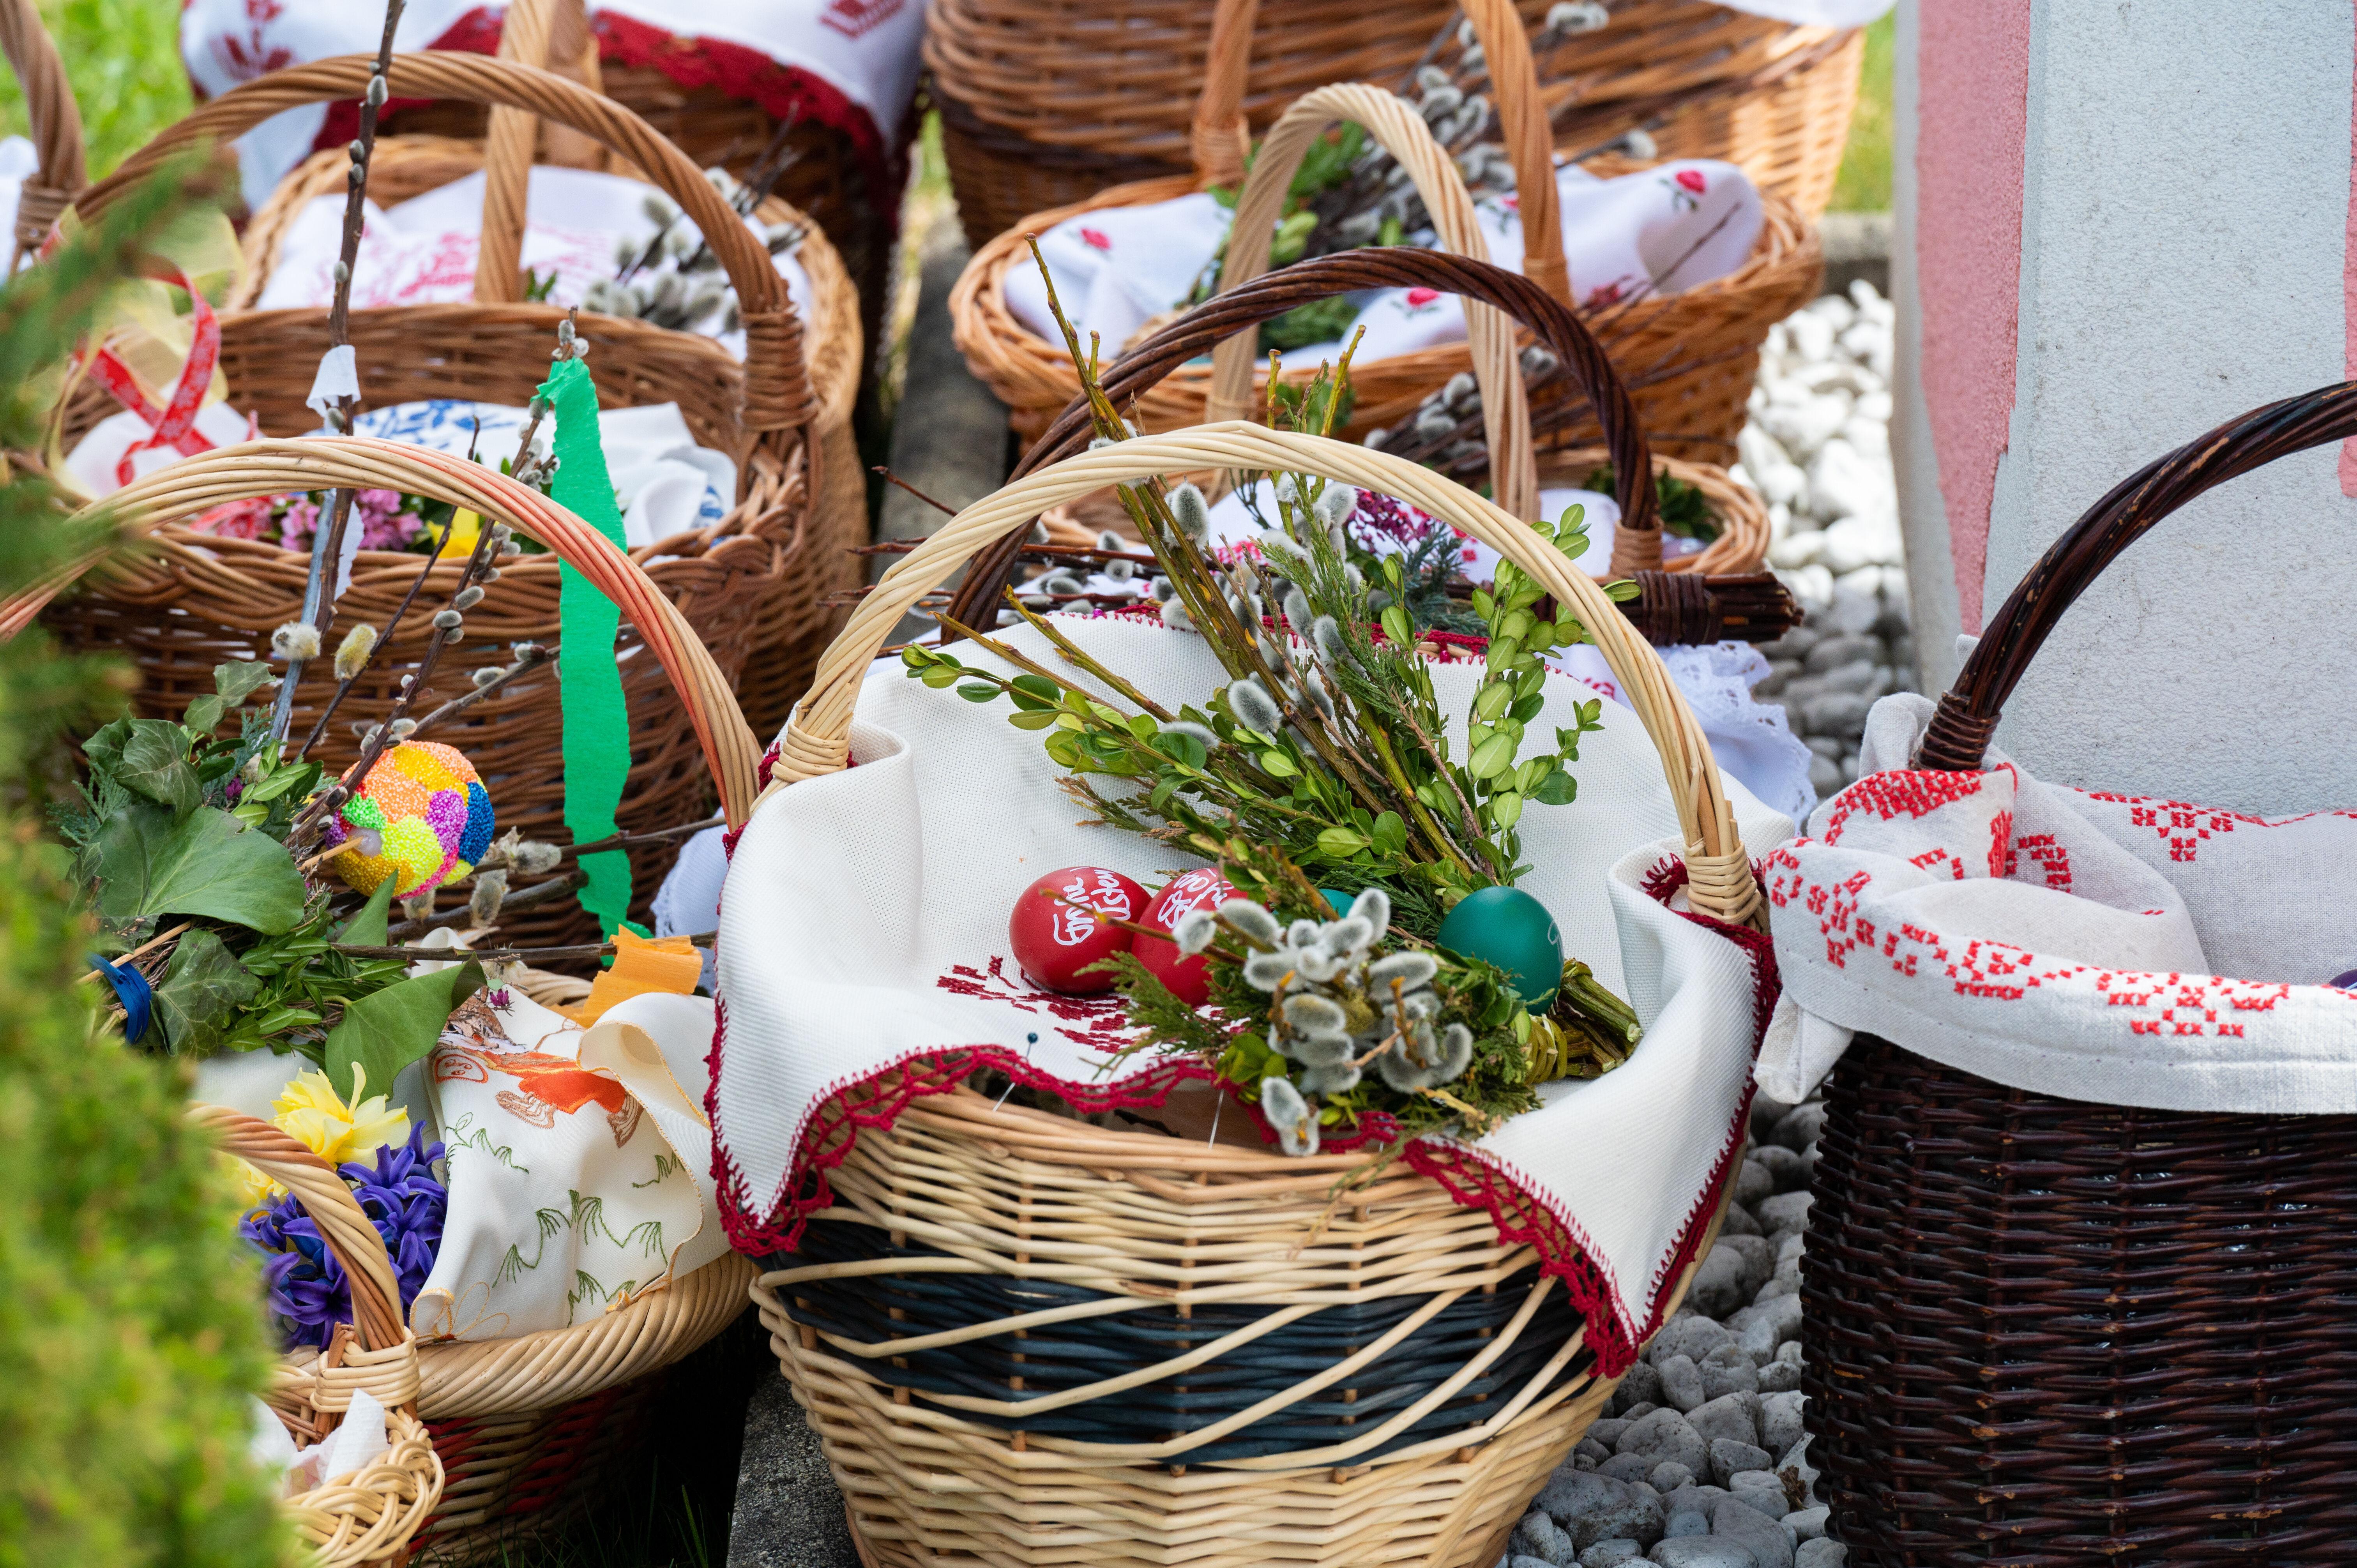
(131, 989)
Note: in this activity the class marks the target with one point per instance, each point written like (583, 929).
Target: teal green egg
(1338, 902)
(1508, 928)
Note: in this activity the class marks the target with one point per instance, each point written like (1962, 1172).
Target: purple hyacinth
(306, 1286)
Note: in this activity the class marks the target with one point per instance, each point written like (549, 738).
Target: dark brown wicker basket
(2043, 1331)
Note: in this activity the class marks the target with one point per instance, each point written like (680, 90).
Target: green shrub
(131, 1331)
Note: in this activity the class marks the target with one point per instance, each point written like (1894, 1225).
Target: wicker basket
(1689, 357)
(55, 120)
(196, 600)
(1046, 101)
(367, 1519)
(792, 629)
(847, 184)
(974, 1254)
(524, 1426)
(1219, 324)
(2102, 1333)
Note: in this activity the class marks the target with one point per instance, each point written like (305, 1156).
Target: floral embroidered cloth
(848, 64)
(1660, 230)
(2095, 946)
(863, 926)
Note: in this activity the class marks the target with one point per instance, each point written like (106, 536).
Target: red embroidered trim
(1471, 1178)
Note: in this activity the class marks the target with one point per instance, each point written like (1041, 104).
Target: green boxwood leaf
(1492, 756)
(1342, 842)
(977, 692)
(207, 863)
(203, 985)
(1277, 764)
(1391, 834)
(1556, 789)
(1037, 718)
(1036, 690)
(1182, 748)
(384, 1032)
(154, 762)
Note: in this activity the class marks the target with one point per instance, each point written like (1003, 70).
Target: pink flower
(387, 531)
(1418, 298)
(294, 529)
(1692, 179)
(379, 503)
(1096, 240)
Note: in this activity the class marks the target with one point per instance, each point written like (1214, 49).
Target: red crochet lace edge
(782, 91)
(1469, 1177)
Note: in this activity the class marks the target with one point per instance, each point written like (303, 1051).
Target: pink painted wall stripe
(1973, 67)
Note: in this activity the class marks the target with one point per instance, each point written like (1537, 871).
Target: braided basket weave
(367, 1519)
(2102, 1333)
(1026, 1339)
(1689, 357)
(523, 1424)
(1046, 101)
(55, 121)
(195, 600)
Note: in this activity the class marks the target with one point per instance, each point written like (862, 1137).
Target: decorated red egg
(1186, 978)
(1058, 928)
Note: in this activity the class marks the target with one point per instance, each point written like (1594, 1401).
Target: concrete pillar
(2120, 222)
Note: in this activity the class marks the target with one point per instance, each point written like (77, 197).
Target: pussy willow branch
(383, 639)
(328, 535)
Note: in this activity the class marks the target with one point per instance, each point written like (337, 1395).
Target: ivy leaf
(367, 929)
(204, 715)
(154, 762)
(207, 863)
(234, 683)
(384, 1032)
(105, 748)
(203, 985)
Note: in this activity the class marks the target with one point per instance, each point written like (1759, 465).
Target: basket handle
(346, 1230)
(1400, 132)
(1957, 738)
(274, 467)
(552, 35)
(56, 121)
(1220, 137)
(817, 741)
(1222, 318)
(777, 386)
(1530, 142)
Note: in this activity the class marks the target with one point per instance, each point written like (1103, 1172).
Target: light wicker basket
(525, 1424)
(370, 1518)
(195, 600)
(1008, 1238)
(1045, 102)
(55, 122)
(1688, 356)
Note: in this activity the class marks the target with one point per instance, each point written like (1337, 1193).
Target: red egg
(1186, 978)
(1056, 930)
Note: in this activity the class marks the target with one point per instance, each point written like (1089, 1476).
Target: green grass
(1864, 185)
(123, 58)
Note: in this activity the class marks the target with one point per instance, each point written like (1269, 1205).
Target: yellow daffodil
(314, 1115)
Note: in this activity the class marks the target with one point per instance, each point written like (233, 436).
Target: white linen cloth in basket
(863, 924)
(851, 64)
(1660, 230)
(422, 250)
(2095, 946)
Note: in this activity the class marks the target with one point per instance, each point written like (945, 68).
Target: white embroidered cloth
(2095, 946)
(578, 1162)
(1660, 230)
(849, 64)
(422, 252)
(863, 924)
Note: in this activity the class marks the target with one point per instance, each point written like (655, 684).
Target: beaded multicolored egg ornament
(421, 816)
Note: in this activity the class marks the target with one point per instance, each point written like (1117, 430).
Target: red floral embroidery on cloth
(1105, 1026)
(2182, 826)
(1470, 1177)
(1900, 792)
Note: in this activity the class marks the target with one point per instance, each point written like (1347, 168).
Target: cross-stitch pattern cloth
(1661, 231)
(863, 925)
(2090, 945)
(849, 64)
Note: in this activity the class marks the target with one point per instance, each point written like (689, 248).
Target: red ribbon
(174, 425)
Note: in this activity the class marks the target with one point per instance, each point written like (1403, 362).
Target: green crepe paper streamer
(589, 683)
